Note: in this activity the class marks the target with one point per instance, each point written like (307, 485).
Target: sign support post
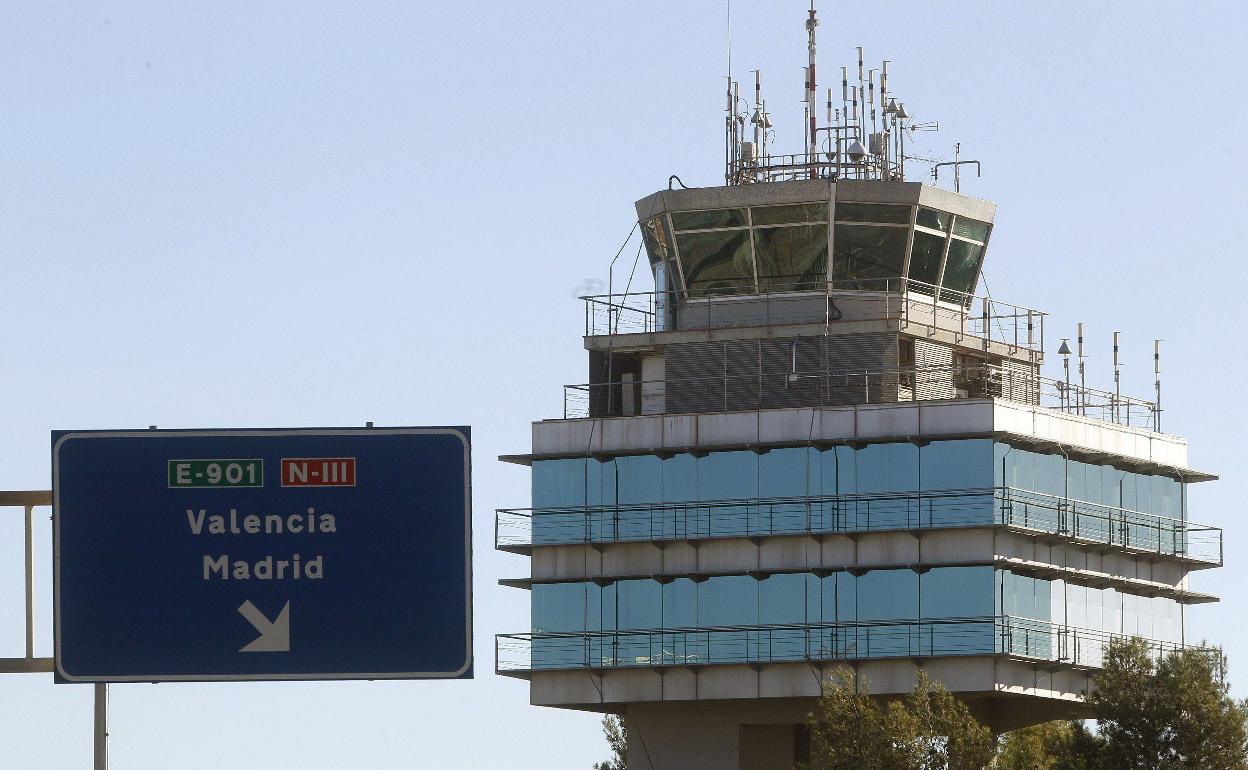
(101, 726)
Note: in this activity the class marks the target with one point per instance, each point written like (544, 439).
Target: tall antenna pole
(811, 98)
(1157, 384)
(729, 128)
(884, 112)
(1082, 381)
(1117, 382)
(861, 90)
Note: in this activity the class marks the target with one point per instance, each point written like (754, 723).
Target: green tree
(616, 732)
(1169, 713)
(1052, 746)
(927, 730)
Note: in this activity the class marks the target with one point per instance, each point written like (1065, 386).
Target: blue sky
(245, 214)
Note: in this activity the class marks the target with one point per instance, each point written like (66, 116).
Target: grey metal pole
(101, 726)
(30, 583)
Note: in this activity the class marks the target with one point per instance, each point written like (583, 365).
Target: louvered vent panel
(933, 376)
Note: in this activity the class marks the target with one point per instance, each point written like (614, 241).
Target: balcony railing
(839, 388)
(910, 302)
(1000, 635)
(1078, 520)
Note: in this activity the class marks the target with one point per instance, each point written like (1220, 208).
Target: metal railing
(806, 166)
(1081, 521)
(1004, 635)
(841, 388)
(905, 300)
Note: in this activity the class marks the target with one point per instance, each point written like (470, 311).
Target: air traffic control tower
(811, 447)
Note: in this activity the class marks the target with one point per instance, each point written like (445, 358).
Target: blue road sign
(228, 555)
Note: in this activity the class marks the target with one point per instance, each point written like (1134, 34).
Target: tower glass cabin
(811, 447)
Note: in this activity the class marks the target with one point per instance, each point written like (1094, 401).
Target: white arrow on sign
(274, 635)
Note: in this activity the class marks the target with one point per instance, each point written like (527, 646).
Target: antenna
(1082, 382)
(812, 148)
(1157, 384)
(1113, 410)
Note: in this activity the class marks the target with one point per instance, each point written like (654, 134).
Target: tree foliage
(1169, 713)
(927, 730)
(616, 732)
(1051, 746)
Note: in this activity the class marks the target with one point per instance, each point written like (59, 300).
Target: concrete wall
(864, 422)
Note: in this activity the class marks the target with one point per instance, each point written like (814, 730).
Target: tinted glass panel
(961, 271)
(957, 592)
(680, 604)
(937, 220)
(865, 256)
(559, 607)
(728, 601)
(925, 258)
(702, 220)
(717, 263)
(888, 595)
(872, 212)
(969, 228)
(658, 239)
(800, 212)
(792, 258)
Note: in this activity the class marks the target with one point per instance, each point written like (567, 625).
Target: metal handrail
(1079, 520)
(905, 299)
(1002, 635)
(886, 385)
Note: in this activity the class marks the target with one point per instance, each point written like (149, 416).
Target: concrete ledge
(954, 418)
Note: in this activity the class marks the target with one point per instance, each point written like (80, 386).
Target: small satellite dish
(901, 112)
(891, 108)
(1064, 350)
(856, 151)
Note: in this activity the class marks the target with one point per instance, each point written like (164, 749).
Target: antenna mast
(812, 107)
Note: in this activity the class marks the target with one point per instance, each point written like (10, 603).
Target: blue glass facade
(899, 485)
(878, 612)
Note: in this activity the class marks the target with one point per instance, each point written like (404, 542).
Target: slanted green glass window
(705, 220)
(792, 258)
(792, 214)
(937, 220)
(872, 212)
(717, 262)
(969, 228)
(658, 240)
(961, 271)
(866, 257)
(925, 257)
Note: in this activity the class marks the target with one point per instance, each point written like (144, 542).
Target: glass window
(926, 256)
(728, 476)
(558, 607)
(658, 239)
(937, 220)
(705, 220)
(728, 601)
(888, 594)
(866, 257)
(792, 258)
(639, 604)
(961, 271)
(888, 468)
(717, 263)
(957, 592)
(782, 599)
(558, 483)
(680, 604)
(959, 464)
(872, 212)
(781, 215)
(969, 228)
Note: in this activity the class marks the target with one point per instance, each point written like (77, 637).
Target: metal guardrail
(1004, 635)
(1081, 521)
(841, 388)
(901, 299)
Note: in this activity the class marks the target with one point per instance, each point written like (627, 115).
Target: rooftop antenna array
(865, 138)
